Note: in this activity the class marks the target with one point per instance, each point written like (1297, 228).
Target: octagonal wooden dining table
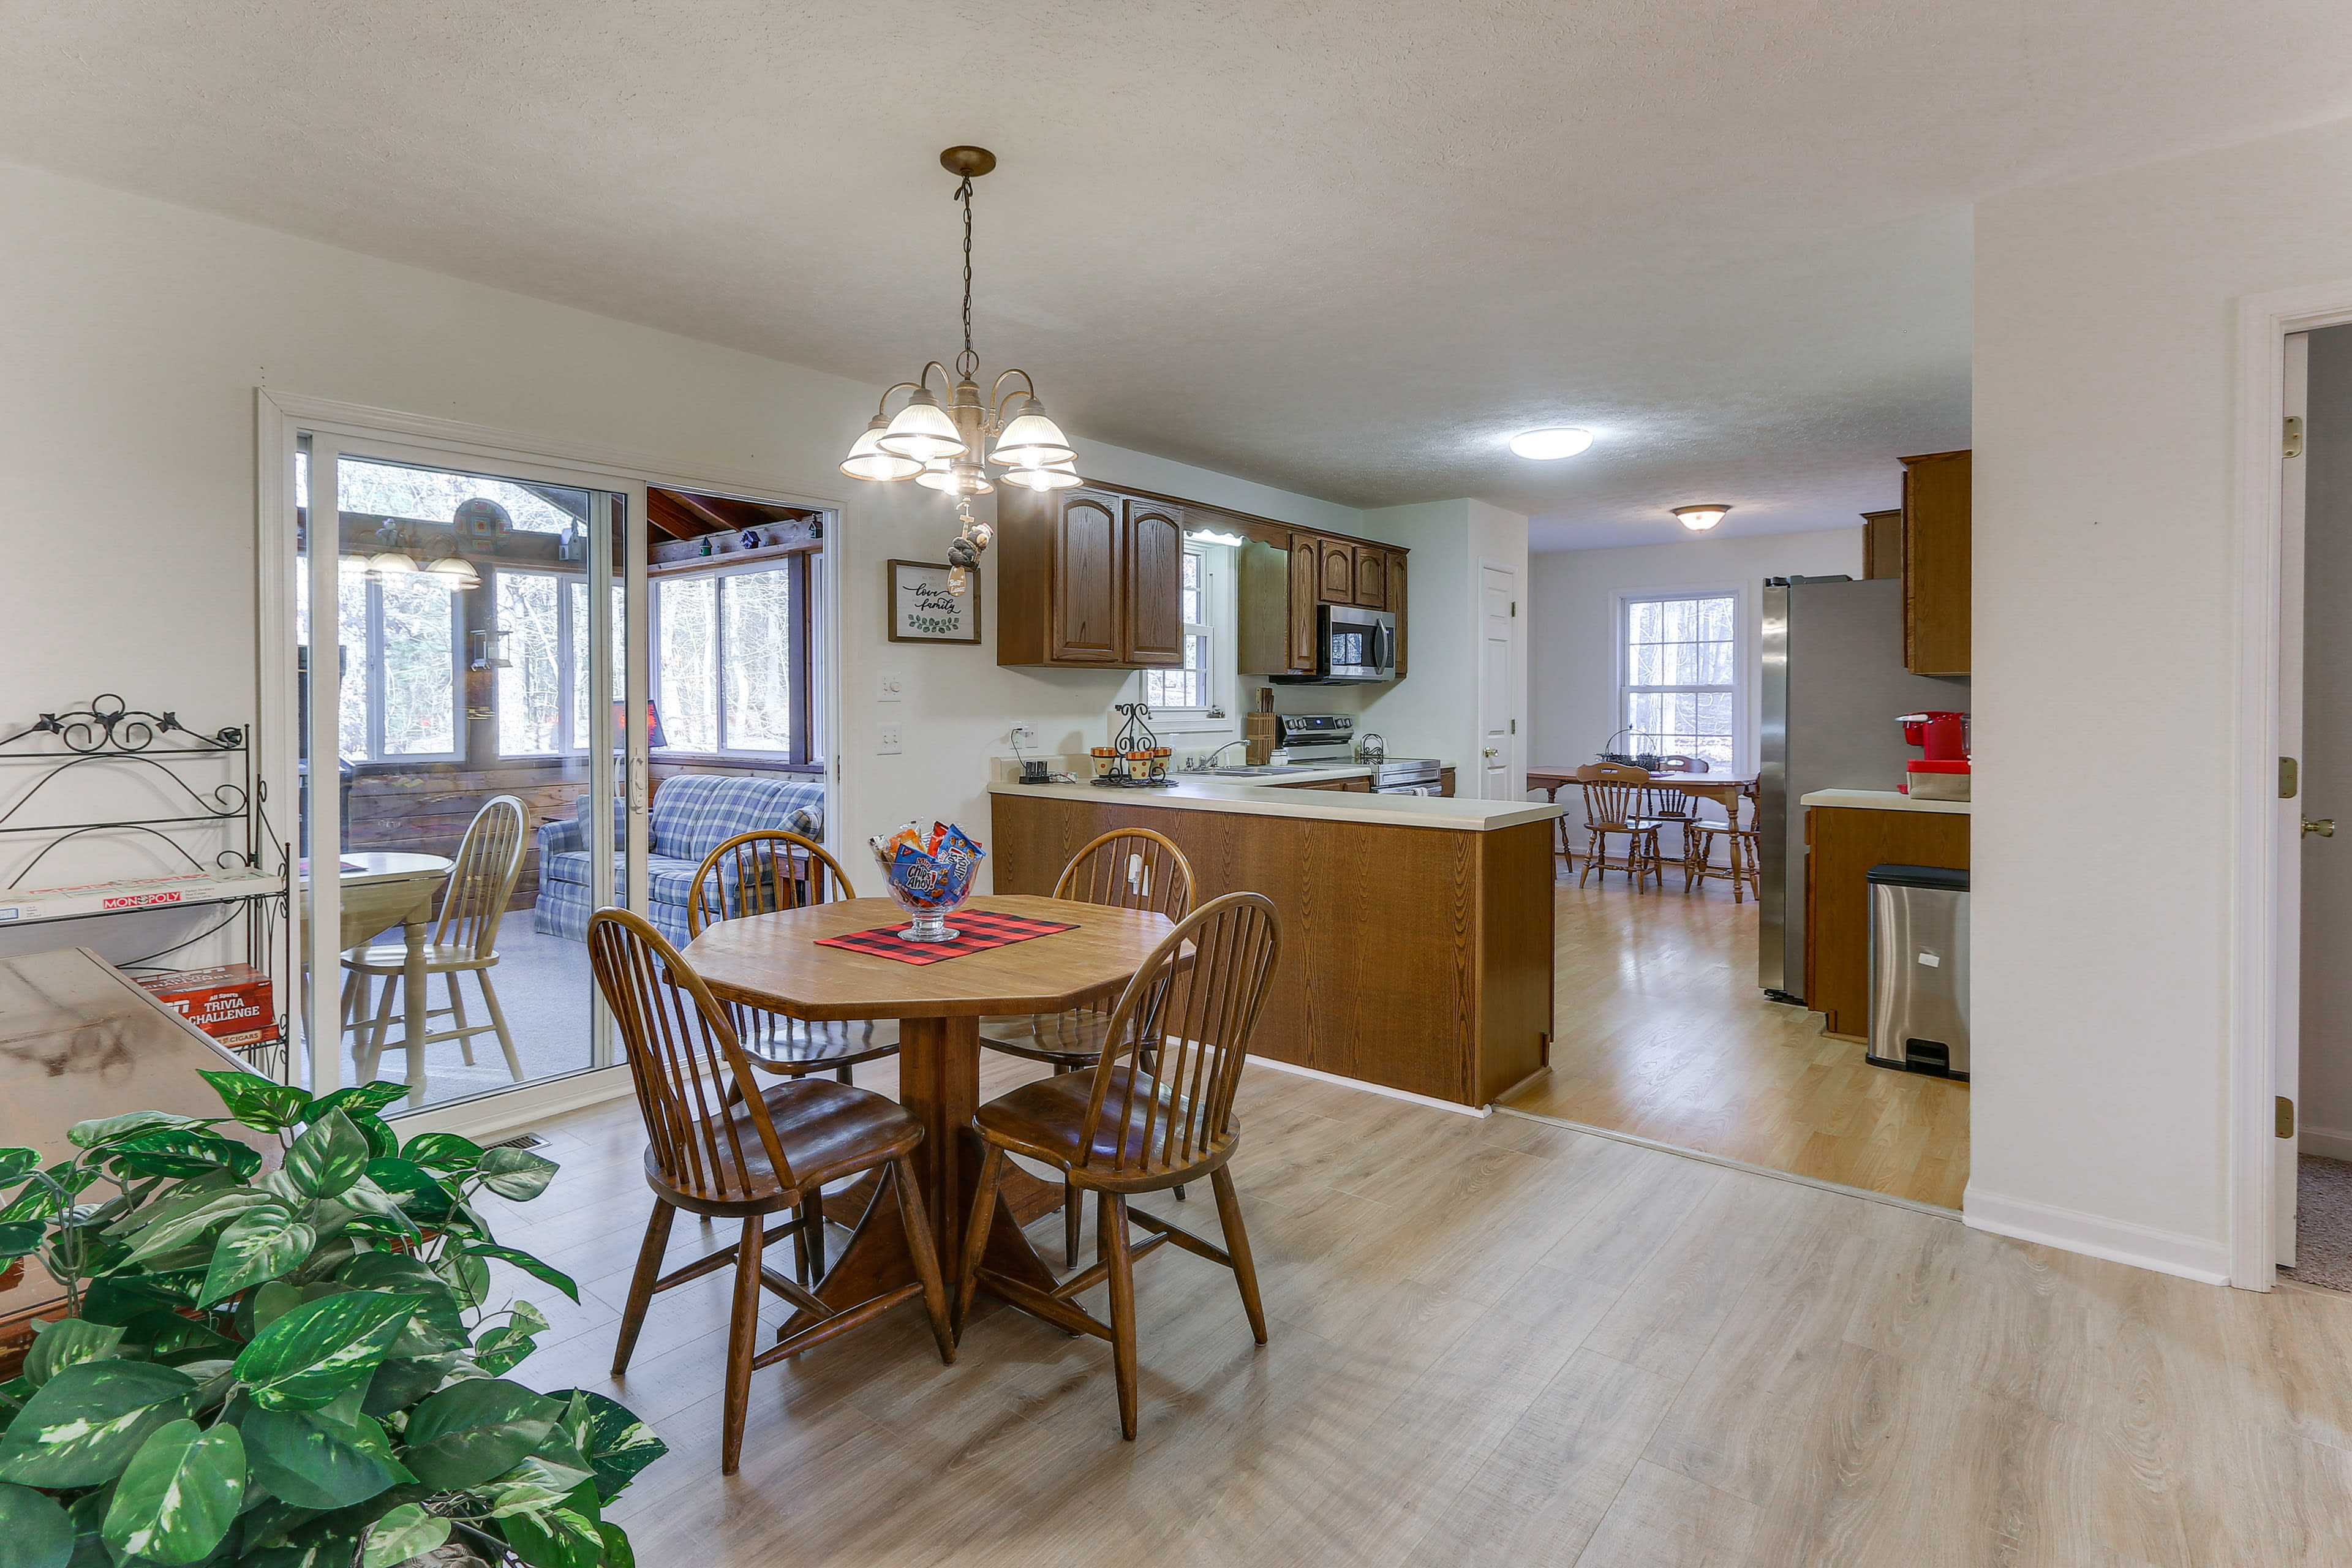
(774, 962)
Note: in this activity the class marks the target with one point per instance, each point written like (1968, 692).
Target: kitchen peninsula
(1416, 931)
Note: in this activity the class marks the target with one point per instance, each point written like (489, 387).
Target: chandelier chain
(966, 362)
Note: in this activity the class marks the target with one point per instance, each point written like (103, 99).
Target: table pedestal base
(939, 1081)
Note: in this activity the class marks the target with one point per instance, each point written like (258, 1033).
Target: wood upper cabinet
(1085, 584)
(1282, 590)
(1088, 578)
(1152, 594)
(1306, 555)
(1336, 577)
(1936, 563)
(1395, 607)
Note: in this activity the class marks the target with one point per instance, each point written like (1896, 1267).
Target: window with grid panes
(1680, 690)
(1177, 692)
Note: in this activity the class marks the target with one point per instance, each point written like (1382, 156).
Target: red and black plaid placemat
(976, 930)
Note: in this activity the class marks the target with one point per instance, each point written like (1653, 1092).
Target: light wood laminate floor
(1661, 1031)
(1496, 1342)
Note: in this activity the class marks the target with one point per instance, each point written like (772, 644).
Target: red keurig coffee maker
(1942, 772)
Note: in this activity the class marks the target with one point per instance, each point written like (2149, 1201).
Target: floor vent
(520, 1140)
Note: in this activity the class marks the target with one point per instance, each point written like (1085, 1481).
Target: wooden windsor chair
(1129, 869)
(760, 873)
(1670, 807)
(1615, 801)
(464, 940)
(1742, 851)
(717, 1145)
(1120, 1130)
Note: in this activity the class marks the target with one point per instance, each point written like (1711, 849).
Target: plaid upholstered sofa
(693, 815)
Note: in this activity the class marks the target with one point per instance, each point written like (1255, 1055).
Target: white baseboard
(1405, 1094)
(2119, 1241)
(2328, 1142)
(491, 1117)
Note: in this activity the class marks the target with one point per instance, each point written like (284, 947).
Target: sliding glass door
(472, 761)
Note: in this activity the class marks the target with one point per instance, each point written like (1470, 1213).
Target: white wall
(135, 331)
(1433, 711)
(2105, 654)
(1572, 672)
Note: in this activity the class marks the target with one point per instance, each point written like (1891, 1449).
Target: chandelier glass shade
(868, 460)
(945, 447)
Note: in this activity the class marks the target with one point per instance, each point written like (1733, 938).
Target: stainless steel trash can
(1919, 969)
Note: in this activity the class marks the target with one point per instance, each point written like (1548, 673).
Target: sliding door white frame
(281, 421)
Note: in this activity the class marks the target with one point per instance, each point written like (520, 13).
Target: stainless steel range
(1406, 775)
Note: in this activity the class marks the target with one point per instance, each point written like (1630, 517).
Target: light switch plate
(894, 685)
(890, 742)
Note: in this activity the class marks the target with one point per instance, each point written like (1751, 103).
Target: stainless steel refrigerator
(1834, 682)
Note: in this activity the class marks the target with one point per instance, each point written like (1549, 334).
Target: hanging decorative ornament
(940, 448)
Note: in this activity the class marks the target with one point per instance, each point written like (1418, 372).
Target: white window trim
(653, 584)
(375, 699)
(1217, 668)
(1743, 654)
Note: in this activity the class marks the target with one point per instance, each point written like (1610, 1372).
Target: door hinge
(1515, 726)
(2293, 446)
(2285, 1117)
(1514, 609)
(2288, 782)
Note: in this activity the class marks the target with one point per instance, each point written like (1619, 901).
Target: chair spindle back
(1130, 868)
(683, 1057)
(482, 879)
(760, 873)
(1193, 1006)
(1614, 793)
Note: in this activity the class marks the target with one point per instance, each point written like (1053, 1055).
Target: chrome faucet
(1205, 763)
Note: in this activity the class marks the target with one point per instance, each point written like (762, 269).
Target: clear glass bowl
(930, 903)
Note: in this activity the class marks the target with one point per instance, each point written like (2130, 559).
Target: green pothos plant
(296, 1369)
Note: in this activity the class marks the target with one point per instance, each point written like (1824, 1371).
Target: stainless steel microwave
(1352, 646)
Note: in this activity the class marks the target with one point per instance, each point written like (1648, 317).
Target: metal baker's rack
(210, 816)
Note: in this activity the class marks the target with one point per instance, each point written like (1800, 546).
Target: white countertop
(1189, 794)
(1881, 800)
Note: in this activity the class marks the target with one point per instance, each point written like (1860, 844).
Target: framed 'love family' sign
(923, 610)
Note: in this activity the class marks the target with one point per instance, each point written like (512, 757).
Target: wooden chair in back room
(1118, 1130)
(464, 941)
(719, 1145)
(1615, 802)
(1128, 868)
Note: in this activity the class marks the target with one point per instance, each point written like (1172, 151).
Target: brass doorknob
(2325, 826)
(1491, 751)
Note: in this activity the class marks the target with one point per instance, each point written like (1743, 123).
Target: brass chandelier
(940, 448)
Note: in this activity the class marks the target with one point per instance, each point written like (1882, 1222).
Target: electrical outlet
(1024, 738)
(894, 685)
(890, 742)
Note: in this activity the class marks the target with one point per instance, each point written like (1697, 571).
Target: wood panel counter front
(1417, 957)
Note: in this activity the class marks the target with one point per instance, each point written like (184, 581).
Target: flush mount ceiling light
(1699, 519)
(940, 448)
(1560, 441)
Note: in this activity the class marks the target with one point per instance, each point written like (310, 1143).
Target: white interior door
(1497, 704)
(2286, 1067)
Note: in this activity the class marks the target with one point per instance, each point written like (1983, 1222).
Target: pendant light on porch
(940, 448)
